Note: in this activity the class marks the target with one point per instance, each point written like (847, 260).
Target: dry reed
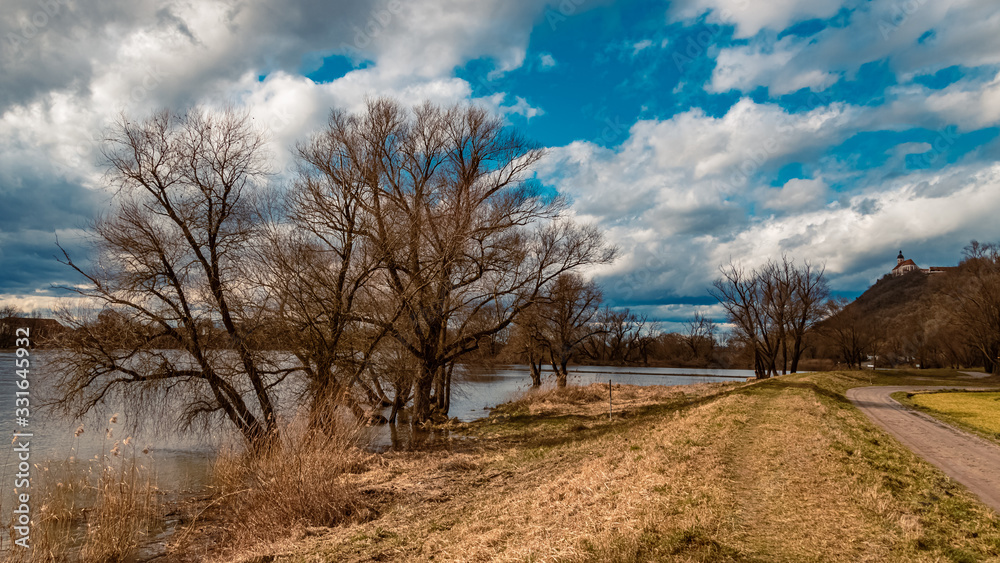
(302, 482)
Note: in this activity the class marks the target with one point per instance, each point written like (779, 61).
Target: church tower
(900, 259)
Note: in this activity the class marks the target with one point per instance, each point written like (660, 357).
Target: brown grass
(782, 470)
(125, 510)
(304, 482)
(592, 400)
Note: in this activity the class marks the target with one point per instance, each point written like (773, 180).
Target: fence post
(611, 409)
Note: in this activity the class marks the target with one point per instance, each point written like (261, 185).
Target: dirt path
(970, 460)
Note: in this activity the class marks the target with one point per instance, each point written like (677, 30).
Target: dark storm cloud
(35, 206)
(31, 262)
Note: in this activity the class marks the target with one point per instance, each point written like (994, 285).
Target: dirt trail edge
(968, 459)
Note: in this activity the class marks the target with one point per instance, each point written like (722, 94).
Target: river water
(182, 460)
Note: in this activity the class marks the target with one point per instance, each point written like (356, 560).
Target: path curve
(966, 458)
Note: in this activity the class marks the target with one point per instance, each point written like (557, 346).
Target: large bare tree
(171, 275)
(464, 239)
(748, 297)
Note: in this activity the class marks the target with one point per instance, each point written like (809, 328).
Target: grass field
(976, 411)
(781, 470)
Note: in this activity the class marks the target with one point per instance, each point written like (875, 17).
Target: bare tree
(172, 262)
(320, 262)
(568, 307)
(464, 240)
(977, 294)
(810, 292)
(748, 299)
(773, 307)
(855, 334)
(529, 342)
(618, 337)
(699, 335)
(8, 316)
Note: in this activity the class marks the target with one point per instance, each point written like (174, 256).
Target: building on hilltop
(905, 266)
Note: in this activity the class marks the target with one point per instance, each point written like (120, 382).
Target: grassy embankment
(780, 470)
(975, 411)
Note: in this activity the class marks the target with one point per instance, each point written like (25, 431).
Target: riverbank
(780, 470)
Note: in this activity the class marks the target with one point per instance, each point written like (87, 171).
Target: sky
(693, 132)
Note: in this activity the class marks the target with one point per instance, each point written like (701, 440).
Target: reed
(303, 481)
(93, 510)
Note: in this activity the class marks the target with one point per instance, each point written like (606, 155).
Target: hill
(901, 320)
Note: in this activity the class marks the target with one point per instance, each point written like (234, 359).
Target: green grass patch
(976, 411)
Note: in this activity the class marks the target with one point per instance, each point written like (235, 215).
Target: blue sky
(693, 131)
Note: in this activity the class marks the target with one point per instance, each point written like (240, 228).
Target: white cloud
(744, 68)
(676, 188)
(546, 60)
(522, 107)
(796, 195)
(641, 46)
(750, 17)
(966, 104)
(911, 212)
(913, 37)
(676, 197)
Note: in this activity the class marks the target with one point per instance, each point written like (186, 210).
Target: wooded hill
(926, 320)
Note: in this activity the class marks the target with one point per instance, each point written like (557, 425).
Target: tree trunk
(561, 377)
(536, 373)
(796, 353)
(447, 389)
(422, 393)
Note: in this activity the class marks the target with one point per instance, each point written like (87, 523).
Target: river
(182, 460)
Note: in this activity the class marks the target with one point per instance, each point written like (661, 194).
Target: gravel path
(968, 459)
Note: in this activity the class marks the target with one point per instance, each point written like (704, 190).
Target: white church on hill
(905, 266)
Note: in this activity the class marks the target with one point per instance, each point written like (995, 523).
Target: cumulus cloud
(678, 198)
(914, 38)
(751, 17)
(796, 195)
(678, 187)
(767, 64)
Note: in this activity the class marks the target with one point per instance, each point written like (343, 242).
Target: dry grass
(783, 470)
(304, 482)
(592, 400)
